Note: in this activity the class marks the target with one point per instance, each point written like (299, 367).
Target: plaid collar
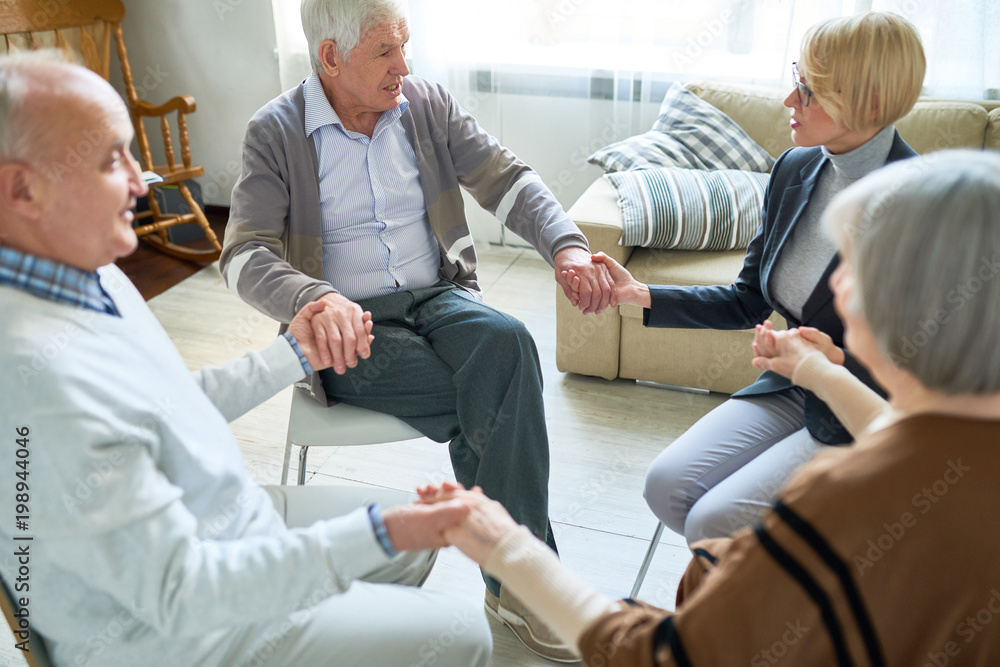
(54, 281)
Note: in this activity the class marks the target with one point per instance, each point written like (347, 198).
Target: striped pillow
(689, 209)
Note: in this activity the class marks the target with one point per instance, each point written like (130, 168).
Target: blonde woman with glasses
(854, 78)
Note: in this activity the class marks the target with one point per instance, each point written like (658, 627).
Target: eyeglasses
(805, 95)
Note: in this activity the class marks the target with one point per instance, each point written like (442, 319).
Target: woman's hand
(628, 289)
(486, 524)
(780, 351)
(823, 343)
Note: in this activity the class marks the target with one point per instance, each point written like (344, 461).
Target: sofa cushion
(654, 266)
(935, 124)
(689, 133)
(759, 111)
(689, 209)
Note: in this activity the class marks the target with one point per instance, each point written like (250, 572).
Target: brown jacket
(883, 553)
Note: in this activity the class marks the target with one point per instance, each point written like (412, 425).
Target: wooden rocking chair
(83, 29)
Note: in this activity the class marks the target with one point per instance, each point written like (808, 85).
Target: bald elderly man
(144, 538)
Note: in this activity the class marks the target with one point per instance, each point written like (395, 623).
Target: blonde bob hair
(866, 70)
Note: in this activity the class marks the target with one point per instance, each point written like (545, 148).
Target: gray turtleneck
(809, 250)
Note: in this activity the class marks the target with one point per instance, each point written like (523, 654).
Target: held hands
(781, 351)
(333, 331)
(593, 290)
(627, 289)
(482, 529)
(448, 515)
(422, 525)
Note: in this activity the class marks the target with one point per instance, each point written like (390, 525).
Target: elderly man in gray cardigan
(350, 195)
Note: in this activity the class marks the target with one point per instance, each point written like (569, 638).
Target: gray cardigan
(273, 253)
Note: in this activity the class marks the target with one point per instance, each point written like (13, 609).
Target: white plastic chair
(340, 425)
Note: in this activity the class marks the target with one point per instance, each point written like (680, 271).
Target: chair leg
(302, 464)
(646, 561)
(286, 462)
(199, 215)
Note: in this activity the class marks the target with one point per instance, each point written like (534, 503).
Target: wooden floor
(154, 272)
(603, 436)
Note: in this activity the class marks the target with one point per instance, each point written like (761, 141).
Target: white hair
(19, 133)
(345, 22)
(924, 238)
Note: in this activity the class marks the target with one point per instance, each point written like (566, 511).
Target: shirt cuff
(378, 526)
(298, 351)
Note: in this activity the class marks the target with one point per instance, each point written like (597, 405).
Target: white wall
(219, 51)
(222, 53)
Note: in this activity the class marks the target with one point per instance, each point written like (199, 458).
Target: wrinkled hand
(594, 290)
(627, 289)
(422, 525)
(343, 331)
(823, 343)
(779, 351)
(479, 533)
(301, 327)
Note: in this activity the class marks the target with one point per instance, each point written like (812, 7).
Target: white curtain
(750, 41)
(555, 80)
(962, 43)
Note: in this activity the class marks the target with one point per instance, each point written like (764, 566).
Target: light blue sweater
(151, 544)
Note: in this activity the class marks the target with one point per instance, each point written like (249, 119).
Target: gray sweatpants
(384, 620)
(724, 472)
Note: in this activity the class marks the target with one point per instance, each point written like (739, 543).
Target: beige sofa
(615, 344)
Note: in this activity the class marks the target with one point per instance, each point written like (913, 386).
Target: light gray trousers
(384, 620)
(724, 472)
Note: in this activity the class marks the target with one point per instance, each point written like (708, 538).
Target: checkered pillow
(689, 133)
(689, 209)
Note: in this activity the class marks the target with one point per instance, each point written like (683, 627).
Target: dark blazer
(749, 300)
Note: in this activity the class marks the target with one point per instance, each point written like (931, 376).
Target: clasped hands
(625, 289)
(333, 331)
(781, 351)
(587, 284)
(449, 515)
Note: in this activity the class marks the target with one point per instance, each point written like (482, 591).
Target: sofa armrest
(599, 217)
(588, 344)
(992, 141)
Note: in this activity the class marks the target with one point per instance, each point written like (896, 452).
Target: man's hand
(423, 526)
(595, 290)
(343, 331)
(301, 327)
(479, 533)
(627, 289)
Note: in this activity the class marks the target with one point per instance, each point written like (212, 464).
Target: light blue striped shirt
(377, 238)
